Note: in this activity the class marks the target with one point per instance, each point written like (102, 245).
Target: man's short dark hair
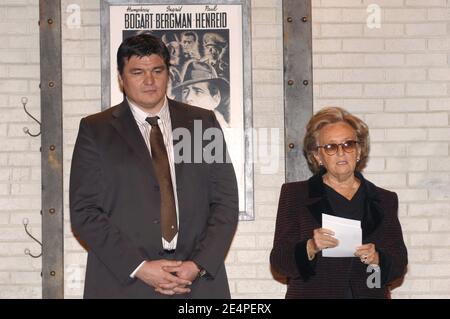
(141, 45)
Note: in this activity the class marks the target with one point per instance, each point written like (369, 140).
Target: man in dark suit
(157, 218)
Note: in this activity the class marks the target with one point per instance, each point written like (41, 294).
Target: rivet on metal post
(305, 82)
(52, 148)
(289, 19)
(305, 19)
(291, 146)
(291, 82)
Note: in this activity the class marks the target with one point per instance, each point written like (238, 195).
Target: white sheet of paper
(347, 231)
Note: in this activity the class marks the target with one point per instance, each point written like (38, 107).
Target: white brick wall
(249, 268)
(81, 91)
(395, 78)
(400, 77)
(20, 162)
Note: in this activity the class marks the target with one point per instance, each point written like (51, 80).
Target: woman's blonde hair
(331, 115)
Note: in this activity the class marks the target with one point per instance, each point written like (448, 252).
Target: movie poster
(206, 47)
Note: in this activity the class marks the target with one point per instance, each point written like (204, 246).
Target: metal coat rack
(25, 129)
(27, 250)
(25, 221)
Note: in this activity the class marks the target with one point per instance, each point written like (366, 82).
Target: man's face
(187, 42)
(174, 50)
(144, 81)
(198, 94)
(213, 52)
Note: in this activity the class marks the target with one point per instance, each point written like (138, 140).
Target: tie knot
(153, 120)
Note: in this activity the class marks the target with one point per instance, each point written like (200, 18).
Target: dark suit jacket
(115, 204)
(300, 212)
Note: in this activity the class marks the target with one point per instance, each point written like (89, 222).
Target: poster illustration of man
(199, 74)
(206, 44)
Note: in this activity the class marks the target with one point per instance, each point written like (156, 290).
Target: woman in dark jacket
(336, 146)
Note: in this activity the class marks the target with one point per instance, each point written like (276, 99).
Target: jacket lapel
(373, 213)
(318, 203)
(179, 115)
(179, 120)
(125, 125)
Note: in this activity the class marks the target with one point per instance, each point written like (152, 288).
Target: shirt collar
(140, 115)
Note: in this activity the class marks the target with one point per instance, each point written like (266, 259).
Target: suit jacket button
(156, 221)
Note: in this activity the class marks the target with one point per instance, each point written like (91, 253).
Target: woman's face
(342, 164)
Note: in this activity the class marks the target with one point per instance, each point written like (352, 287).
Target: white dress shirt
(165, 124)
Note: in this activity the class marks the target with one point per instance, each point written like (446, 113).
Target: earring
(320, 164)
(357, 159)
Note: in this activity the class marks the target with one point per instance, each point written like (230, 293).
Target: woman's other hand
(322, 239)
(367, 254)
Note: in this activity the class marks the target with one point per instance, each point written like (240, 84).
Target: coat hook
(25, 129)
(27, 251)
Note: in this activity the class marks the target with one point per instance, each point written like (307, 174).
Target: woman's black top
(342, 207)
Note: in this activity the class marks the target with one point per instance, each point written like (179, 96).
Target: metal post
(52, 152)
(298, 88)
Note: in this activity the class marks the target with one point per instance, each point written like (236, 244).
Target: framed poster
(210, 46)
